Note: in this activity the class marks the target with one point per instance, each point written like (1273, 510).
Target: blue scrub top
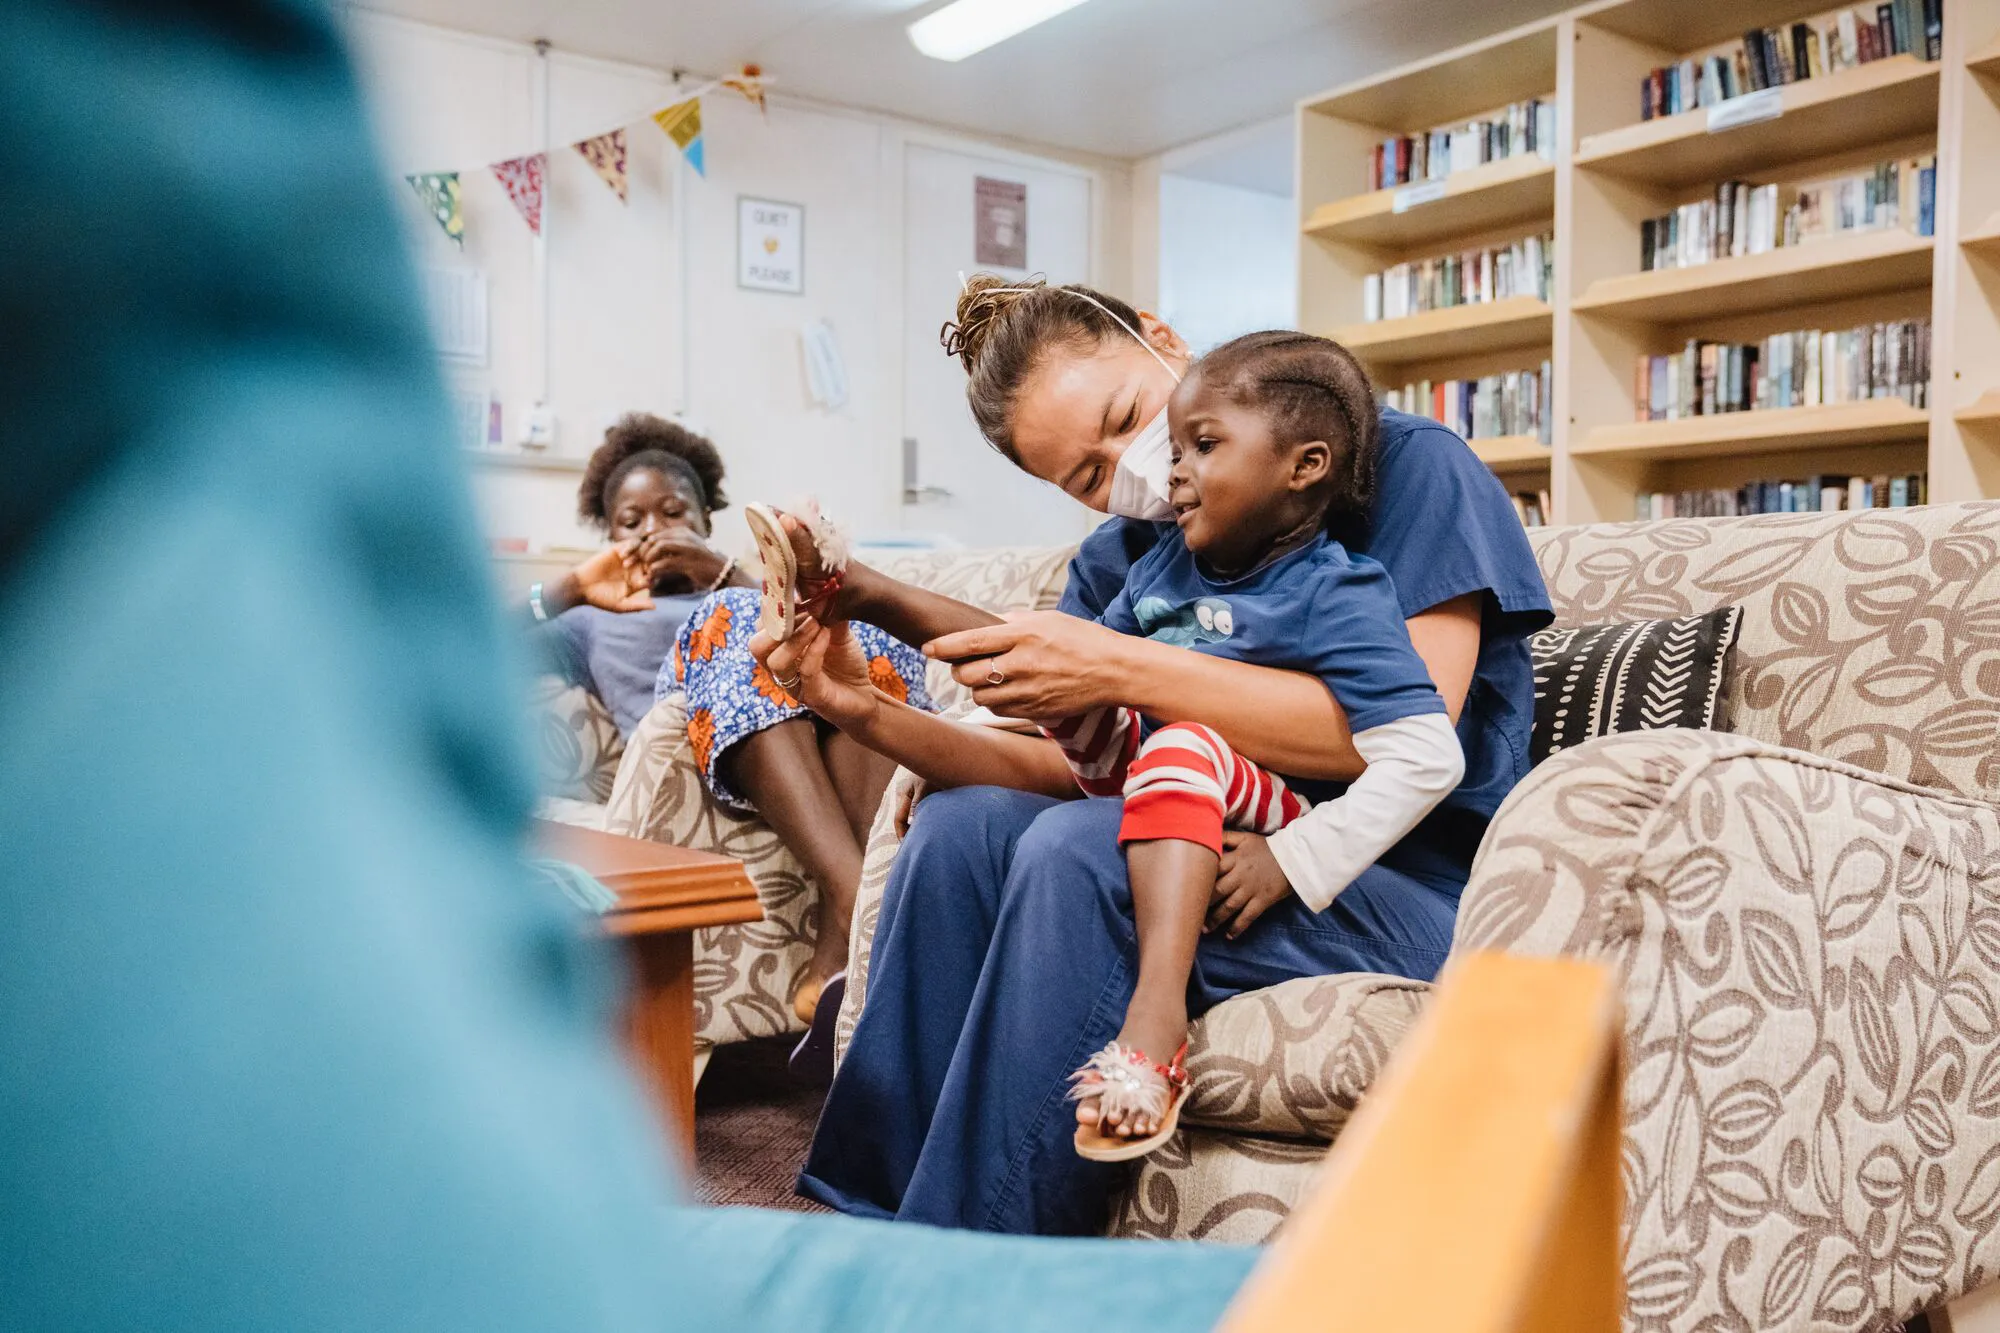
(1443, 527)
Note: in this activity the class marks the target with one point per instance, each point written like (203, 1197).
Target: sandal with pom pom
(1126, 1082)
(785, 592)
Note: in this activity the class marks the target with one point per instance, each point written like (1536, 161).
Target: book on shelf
(1532, 507)
(1805, 368)
(1747, 219)
(1797, 495)
(1496, 273)
(1489, 408)
(1774, 57)
(1516, 130)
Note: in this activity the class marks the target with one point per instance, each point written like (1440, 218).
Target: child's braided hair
(1309, 388)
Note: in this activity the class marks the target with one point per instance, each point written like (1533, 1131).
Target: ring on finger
(995, 676)
(789, 686)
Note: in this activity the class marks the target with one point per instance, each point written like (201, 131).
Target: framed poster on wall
(770, 245)
(1000, 223)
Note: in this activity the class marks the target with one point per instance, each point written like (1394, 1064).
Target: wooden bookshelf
(1881, 101)
(1509, 454)
(1456, 331)
(1514, 189)
(1783, 429)
(1984, 239)
(1984, 411)
(1612, 171)
(1859, 264)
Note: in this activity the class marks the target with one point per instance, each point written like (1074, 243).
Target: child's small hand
(1251, 880)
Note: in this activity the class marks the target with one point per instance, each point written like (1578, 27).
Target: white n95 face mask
(1141, 483)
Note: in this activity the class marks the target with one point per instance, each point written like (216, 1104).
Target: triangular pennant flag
(750, 82)
(606, 154)
(521, 177)
(439, 192)
(682, 122)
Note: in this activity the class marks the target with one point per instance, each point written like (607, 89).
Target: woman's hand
(1250, 882)
(680, 558)
(822, 667)
(1037, 664)
(613, 580)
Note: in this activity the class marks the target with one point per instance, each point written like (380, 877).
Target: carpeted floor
(752, 1125)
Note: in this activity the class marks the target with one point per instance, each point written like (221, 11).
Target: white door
(965, 491)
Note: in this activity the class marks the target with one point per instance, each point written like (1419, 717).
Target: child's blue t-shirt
(1318, 610)
(1443, 527)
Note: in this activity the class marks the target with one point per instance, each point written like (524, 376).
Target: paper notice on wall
(456, 300)
(471, 409)
(1000, 223)
(826, 375)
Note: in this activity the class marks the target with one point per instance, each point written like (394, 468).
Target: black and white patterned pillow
(1635, 675)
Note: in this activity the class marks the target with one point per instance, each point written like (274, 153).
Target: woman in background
(661, 610)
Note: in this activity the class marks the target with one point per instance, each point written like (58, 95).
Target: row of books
(1525, 268)
(1514, 403)
(1515, 130)
(1806, 368)
(1746, 219)
(1773, 57)
(1803, 495)
(1533, 507)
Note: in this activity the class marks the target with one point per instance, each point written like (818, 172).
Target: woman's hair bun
(984, 300)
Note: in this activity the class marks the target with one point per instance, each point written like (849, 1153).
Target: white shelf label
(1750, 108)
(1425, 192)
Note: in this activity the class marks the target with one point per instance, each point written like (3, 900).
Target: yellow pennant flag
(682, 122)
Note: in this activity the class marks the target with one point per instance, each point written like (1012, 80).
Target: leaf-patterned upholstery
(1805, 911)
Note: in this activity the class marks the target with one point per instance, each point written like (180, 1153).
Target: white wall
(1227, 259)
(449, 100)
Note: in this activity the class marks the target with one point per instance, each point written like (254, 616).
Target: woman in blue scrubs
(1004, 952)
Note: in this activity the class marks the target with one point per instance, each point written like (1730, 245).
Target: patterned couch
(1805, 911)
(650, 788)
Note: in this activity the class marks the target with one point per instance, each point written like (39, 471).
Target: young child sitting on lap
(1273, 439)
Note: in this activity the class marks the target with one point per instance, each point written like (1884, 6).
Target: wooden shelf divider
(1514, 189)
(1460, 330)
(1858, 264)
(1783, 429)
(1877, 102)
(1513, 453)
(1983, 411)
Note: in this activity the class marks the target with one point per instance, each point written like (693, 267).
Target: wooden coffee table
(664, 894)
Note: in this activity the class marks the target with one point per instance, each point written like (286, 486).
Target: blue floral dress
(730, 694)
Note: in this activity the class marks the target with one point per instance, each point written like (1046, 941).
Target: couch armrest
(744, 976)
(885, 840)
(577, 747)
(1810, 956)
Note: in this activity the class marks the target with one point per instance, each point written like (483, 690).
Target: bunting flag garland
(525, 178)
(439, 192)
(606, 155)
(521, 177)
(682, 122)
(750, 82)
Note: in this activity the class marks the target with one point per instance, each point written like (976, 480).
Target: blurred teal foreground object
(291, 1041)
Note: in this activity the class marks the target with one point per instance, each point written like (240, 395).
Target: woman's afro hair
(626, 445)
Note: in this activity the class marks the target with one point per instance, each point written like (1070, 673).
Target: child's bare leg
(1172, 882)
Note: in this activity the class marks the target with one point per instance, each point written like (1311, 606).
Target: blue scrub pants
(1004, 955)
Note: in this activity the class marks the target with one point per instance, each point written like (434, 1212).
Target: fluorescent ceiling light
(966, 27)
